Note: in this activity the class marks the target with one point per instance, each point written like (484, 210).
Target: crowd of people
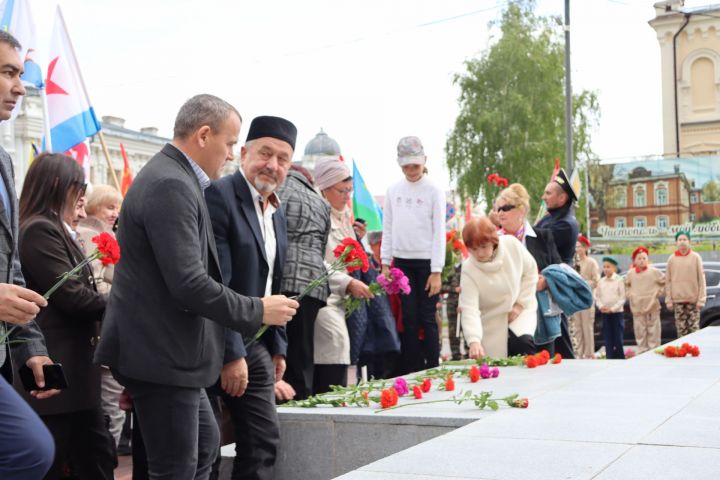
(169, 333)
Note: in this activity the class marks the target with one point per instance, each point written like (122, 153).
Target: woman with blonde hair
(513, 207)
(102, 206)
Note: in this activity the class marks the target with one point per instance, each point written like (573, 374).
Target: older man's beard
(263, 186)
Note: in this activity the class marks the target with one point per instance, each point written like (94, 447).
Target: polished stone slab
(646, 418)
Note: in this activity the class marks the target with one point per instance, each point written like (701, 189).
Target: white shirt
(265, 219)
(414, 223)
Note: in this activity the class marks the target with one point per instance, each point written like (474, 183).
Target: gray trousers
(178, 427)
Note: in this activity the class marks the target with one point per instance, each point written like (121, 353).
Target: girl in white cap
(414, 239)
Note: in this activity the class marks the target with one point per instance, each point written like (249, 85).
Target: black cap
(567, 185)
(274, 127)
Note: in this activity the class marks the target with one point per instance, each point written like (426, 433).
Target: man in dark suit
(26, 446)
(559, 196)
(251, 236)
(163, 333)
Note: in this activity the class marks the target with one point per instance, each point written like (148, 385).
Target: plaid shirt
(308, 227)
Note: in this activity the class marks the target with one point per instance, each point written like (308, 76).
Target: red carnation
(388, 398)
(493, 177)
(531, 361)
(682, 351)
(670, 351)
(426, 385)
(355, 258)
(417, 392)
(108, 248)
(474, 374)
(449, 383)
(695, 351)
(557, 358)
(521, 403)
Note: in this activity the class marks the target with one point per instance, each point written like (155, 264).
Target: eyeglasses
(505, 208)
(343, 191)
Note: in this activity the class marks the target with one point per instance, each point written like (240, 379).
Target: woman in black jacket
(48, 207)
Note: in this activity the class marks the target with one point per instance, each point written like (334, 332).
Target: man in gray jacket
(163, 332)
(26, 446)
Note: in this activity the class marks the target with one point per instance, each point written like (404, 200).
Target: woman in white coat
(497, 297)
(331, 339)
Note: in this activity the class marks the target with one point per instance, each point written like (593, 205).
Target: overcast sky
(366, 72)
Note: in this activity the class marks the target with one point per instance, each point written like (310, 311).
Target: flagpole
(107, 157)
(82, 83)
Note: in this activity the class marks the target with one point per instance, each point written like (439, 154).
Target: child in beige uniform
(685, 285)
(643, 285)
(582, 323)
(610, 300)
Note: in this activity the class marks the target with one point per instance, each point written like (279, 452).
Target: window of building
(692, 217)
(662, 221)
(639, 222)
(693, 197)
(620, 197)
(661, 195)
(620, 222)
(640, 196)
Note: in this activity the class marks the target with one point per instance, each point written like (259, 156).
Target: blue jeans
(613, 325)
(27, 449)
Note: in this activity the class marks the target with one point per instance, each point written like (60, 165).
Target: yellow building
(690, 62)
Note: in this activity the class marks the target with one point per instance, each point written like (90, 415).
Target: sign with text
(652, 199)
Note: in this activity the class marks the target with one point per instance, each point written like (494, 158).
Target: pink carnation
(401, 386)
(397, 283)
(485, 371)
(494, 372)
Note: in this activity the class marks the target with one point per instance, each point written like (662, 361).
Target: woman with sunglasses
(48, 208)
(512, 207)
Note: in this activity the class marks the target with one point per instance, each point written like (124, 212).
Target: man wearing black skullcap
(559, 196)
(251, 237)
(165, 319)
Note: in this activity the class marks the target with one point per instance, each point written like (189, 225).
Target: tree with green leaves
(511, 119)
(711, 191)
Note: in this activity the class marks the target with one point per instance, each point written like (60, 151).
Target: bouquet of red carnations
(349, 256)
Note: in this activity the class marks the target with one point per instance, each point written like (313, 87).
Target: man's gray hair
(5, 37)
(202, 110)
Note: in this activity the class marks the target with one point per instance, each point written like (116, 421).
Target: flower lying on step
(681, 351)
(541, 358)
(401, 387)
(417, 392)
(388, 398)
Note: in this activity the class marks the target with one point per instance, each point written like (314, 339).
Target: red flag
(127, 173)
